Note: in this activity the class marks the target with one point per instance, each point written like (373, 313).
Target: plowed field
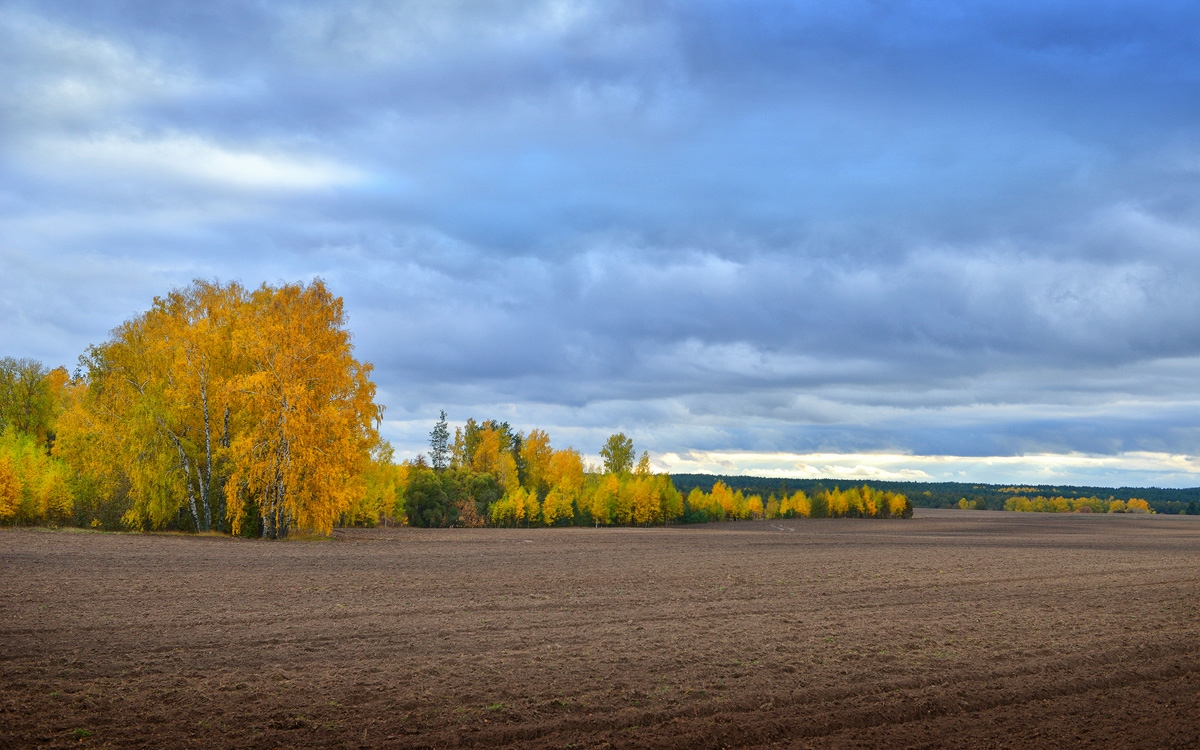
(953, 629)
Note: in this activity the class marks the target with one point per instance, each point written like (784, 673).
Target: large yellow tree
(219, 407)
(306, 410)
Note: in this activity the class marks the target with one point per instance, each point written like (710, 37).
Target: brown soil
(954, 629)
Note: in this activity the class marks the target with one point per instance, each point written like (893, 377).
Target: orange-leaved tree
(306, 412)
(218, 408)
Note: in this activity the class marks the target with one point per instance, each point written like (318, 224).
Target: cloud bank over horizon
(733, 230)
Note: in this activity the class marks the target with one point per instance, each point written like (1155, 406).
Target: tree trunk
(205, 483)
(187, 479)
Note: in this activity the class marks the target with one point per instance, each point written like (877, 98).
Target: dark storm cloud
(723, 226)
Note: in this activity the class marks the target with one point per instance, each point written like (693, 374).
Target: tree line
(978, 495)
(490, 475)
(228, 410)
(1061, 504)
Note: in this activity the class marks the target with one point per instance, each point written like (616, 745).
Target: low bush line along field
(1077, 505)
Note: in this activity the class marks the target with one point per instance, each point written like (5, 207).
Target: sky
(939, 241)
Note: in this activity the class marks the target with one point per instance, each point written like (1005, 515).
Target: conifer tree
(439, 444)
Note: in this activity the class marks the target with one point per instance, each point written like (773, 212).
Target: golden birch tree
(536, 454)
(566, 478)
(307, 411)
(670, 500)
(492, 456)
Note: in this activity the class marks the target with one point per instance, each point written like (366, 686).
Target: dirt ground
(953, 629)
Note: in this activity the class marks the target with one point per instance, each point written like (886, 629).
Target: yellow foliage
(156, 408)
(83, 444)
(532, 509)
(308, 412)
(669, 499)
(212, 385)
(754, 506)
(564, 475)
(644, 496)
(772, 509)
(839, 503)
(55, 502)
(622, 500)
(796, 505)
(871, 500)
(1137, 505)
(10, 489)
(603, 501)
(723, 498)
(516, 507)
(31, 398)
(1075, 505)
(537, 455)
(34, 486)
(557, 505)
(492, 457)
(380, 482)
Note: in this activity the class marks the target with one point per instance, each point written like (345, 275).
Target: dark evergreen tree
(439, 444)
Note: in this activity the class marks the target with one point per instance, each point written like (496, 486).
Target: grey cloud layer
(768, 226)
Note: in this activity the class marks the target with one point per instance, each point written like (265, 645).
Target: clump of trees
(35, 487)
(218, 409)
(723, 503)
(1093, 504)
(491, 475)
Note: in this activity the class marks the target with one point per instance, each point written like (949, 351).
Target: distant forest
(948, 494)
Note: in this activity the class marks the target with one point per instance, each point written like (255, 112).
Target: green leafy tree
(427, 501)
(31, 398)
(484, 491)
(617, 454)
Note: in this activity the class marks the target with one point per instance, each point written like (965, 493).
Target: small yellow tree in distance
(10, 489)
